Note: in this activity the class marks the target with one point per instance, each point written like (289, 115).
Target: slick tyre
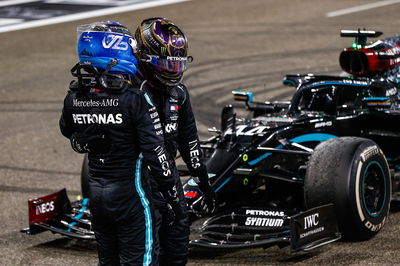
(85, 177)
(353, 174)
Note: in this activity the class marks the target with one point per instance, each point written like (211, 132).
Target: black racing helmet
(162, 50)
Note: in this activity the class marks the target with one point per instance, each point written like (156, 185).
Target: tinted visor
(174, 65)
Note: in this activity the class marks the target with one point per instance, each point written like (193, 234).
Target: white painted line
(8, 21)
(15, 2)
(355, 9)
(94, 2)
(80, 2)
(89, 14)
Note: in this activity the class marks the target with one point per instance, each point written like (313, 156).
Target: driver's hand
(174, 210)
(208, 203)
(92, 139)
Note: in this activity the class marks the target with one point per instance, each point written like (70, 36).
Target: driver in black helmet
(162, 58)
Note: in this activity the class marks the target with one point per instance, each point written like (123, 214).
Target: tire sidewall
(335, 174)
(367, 154)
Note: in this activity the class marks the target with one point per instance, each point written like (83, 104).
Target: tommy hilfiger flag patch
(191, 194)
(174, 108)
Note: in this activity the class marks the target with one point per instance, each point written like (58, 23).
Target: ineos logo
(114, 42)
(45, 207)
(311, 220)
(194, 154)
(162, 158)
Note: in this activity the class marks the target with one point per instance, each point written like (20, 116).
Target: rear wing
(360, 36)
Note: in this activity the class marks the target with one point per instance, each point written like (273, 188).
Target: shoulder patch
(180, 92)
(174, 93)
(181, 87)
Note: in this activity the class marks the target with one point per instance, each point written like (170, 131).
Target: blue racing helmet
(107, 45)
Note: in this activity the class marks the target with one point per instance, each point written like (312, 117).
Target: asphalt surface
(248, 44)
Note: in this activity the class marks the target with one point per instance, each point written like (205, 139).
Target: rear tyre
(353, 174)
(85, 177)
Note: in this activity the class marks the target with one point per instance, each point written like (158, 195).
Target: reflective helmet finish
(162, 50)
(101, 43)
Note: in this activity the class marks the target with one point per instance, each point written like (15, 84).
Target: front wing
(240, 228)
(57, 214)
(256, 227)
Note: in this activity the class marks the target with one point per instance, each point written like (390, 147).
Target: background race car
(298, 173)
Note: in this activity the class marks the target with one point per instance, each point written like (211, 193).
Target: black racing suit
(180, 133)
(123, 217)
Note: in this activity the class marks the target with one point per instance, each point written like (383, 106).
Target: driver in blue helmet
(118, 126)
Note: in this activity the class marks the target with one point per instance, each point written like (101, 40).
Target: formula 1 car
(299, 173)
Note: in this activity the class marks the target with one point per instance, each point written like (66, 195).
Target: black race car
(301, 173)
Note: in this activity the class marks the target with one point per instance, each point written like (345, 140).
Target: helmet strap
(112, 63)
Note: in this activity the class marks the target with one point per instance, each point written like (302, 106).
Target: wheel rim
(373, 188)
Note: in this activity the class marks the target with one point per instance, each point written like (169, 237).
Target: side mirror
(243, 96)
(226, 117)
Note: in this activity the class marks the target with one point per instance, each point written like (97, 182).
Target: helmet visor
(174, 65)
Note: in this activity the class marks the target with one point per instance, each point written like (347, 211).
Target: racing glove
(92, 140)
(169, 216)
(208, 203)
(174, 209)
